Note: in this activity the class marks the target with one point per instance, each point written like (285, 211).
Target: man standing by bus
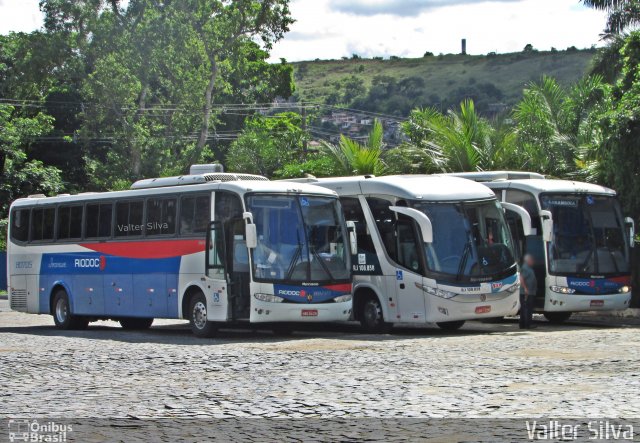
(528, 289)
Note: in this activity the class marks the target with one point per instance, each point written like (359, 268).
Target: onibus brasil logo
(38, 431)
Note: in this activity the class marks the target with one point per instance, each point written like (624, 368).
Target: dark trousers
(526, 311)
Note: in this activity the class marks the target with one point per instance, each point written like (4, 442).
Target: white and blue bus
(211, 248)
(431, 249)
(579, 238)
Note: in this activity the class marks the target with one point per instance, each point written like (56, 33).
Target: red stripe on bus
(148, 249)
(346, 287)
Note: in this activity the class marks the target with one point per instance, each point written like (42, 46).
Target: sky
(330, 29)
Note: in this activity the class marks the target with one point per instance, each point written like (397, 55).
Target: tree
(454, 142)
(267, 144)
(21, 176)
(153, 71)
(620, 125)
(621, 14)
(353, 158)
(555, 126)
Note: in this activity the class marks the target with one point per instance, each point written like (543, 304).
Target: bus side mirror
(631, 226)
(421, 218)
(251, 236)
(353, 239)
(523, 214)
(250, 231)
(547, 225)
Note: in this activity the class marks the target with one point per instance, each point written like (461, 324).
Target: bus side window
(97, 222)
(195, 214)
(386, 223)
(528, 202)
(161, 216)
(42, 224)
(20, 224)
(69, 222)
(353, 212)
(129, 218)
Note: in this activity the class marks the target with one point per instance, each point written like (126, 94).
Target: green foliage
(267, 144)
(316, 164)
(621, 14)
(456, 141)
(353, 158)
(21, 176)
(442, 81)
(620, 123)
(555, 126)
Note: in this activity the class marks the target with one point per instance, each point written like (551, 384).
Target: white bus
(430, 250)
(210, 248)
(579, 238)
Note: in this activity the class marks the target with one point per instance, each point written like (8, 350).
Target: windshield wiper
(322, 263)
(463, 259)
(294, 259)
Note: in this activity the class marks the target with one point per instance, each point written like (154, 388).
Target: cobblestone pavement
(483, 370)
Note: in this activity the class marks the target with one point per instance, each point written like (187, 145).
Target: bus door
(410, 298)
(238, 263)
(216, 275)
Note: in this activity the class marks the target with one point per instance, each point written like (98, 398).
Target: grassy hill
(494, 81)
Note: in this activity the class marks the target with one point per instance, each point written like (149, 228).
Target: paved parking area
(483, 370)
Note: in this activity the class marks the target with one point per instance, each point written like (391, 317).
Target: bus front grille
(18, 299)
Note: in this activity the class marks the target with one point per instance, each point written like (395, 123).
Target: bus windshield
(470, 239)
(300, 239)
(588, 234)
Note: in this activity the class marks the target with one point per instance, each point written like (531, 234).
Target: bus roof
(422, 187)
(240, 187)
(489, 176)
(560, 186)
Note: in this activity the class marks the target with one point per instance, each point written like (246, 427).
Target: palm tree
(354, 158)
(557, 132)
(622, 14)
(455, 141)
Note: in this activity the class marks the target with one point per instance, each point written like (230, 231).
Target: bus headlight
(342, 298)
(513, 288)
(624, 289)
(439, 292)
(562, 290)
(269, 298)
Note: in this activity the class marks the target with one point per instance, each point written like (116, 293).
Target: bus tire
(450, 325)
(200, 325)
(135, 323)
(372, 318)
(62, 316)
(557, 317)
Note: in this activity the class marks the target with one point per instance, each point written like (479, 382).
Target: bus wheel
(371, 317)
(450, 325)
(62, 316)
(136, 323)
(200, 325)
(557, 317)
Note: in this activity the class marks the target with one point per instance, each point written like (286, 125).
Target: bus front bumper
(444, 310)
(555, 302)
(262, 312)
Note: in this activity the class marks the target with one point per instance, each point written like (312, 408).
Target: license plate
(597, 303)
(483, 309)
(309, 312)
